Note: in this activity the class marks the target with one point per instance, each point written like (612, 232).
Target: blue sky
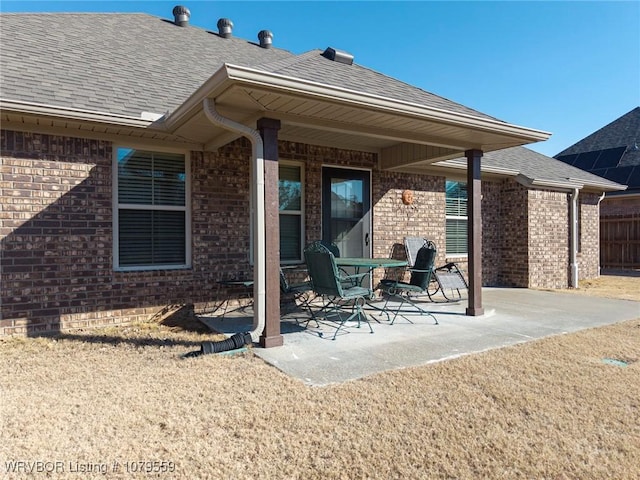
(564, 67)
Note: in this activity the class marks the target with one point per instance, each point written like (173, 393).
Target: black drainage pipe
(232, 343)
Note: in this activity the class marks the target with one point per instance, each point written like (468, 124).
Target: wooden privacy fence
(620, 241)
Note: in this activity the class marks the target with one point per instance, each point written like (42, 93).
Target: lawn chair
(297, 292)
(447, 279)
(328, 282)
(333, 248)
(300, 291)
(450, 281)
(421, 273)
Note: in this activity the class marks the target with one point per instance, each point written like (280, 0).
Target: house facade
(124, 194)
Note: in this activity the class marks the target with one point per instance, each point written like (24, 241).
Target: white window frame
(117, 206)
(300, 213)
(456, 217)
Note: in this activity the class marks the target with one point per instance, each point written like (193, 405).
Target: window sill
(462, 257)
(151, 268)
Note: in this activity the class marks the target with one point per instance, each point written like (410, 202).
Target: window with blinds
(151, 217)
(456, 218)
(290, 191)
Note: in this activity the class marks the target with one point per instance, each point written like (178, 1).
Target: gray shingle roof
(313, 66)
(612, 152)
(537, 166)
(118, 63)
(129, 63)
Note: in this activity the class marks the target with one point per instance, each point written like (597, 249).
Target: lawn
(121, 403)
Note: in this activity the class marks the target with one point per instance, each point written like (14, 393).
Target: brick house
(144, 160)
(613, 152)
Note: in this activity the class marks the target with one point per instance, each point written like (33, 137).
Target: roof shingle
(129, 63)
(612, 152)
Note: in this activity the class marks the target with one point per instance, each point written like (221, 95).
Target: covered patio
(407, 128)
(512, 316)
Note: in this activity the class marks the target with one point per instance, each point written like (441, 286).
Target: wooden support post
(271, 336)
(474, 232)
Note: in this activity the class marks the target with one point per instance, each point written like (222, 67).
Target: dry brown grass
(547, 409)
(625, 287)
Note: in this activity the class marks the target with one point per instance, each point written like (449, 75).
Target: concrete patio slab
(511, 316)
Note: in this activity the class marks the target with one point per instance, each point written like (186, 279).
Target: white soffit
(313, 112)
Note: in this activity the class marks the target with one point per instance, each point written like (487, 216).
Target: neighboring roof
(130, 63)
(612, 152)
(535, 169)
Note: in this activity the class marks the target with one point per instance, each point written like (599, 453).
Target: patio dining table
(369, 263)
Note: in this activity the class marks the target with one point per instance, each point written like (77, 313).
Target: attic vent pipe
(266, 38)
(225, 27)
(338, 56)
(181, 15)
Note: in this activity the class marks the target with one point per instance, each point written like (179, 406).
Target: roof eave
(73, 114)
(462, 165)
(567, 185)
(288, 84)
(604, 186)
(228, 75)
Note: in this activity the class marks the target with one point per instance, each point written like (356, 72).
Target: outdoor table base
(371, 264)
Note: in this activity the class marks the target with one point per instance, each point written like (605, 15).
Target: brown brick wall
(548, 239)
(393, 220)
(492, 233)
(589, 249)
(56, 236)
(514, 247)
(56, 230)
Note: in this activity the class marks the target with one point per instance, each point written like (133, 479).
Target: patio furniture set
(343, 285)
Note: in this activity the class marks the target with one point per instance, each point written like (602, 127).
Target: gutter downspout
(259, 249)
(573, 252)
(599, 216)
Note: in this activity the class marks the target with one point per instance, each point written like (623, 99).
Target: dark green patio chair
(333, 248)
(297, 292)
(327, 281)
(421, 273)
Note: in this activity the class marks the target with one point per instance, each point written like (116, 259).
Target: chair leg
(407, 299)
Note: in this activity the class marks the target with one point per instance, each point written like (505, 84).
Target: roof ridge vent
(225, 27)
(339, 56)
(181, 15)
(266, 38)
